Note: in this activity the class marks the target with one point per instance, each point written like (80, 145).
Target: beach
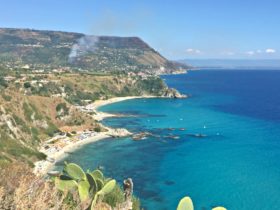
(64, 145)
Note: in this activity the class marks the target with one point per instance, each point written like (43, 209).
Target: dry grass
(20, 189)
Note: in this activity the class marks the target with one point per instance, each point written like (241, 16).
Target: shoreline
(54, 154)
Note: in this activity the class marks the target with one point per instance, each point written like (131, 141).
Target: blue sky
(176, 28)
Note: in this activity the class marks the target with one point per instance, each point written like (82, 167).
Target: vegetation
(62, 109)
(187, 204)
(92, 187)
(51, 49)
(11, 148)
(6, 97)
(3, 83)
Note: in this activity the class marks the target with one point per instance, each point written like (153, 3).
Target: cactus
(108, 187)
(99, 183)
(92, 182)
(90, 185)
(185, 204)
(75, 171)
(97, 174)
(83, 188)
(65, 183)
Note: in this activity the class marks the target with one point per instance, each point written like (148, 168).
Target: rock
(119, 132)
(172, 93)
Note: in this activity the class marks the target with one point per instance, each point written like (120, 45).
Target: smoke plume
(84, 44)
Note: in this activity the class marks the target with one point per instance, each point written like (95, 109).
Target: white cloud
(270, 51)
(250, 53)
(259, 51)
(193, 51)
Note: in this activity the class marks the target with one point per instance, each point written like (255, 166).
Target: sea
(220, 146)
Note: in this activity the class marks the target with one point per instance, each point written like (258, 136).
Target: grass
(21, 124)
(51, 130)
(27, 112)
(6, 97)
(12, 149)
(115, 197)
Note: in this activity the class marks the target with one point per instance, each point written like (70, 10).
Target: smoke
(84, 44)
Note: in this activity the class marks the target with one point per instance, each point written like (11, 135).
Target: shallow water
(235, 165)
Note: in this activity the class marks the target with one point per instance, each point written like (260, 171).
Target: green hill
(53, 49)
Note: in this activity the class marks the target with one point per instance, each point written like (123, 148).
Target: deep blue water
(235, 165)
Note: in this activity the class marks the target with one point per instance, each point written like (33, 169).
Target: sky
(178, 29)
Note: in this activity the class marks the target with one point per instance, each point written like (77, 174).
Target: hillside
(46, 75)
(53, 49)
(47, 79)
(34, 107)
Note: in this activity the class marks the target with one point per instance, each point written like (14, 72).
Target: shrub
(6, 97)
(51, 130)
(27, 85)
(97, 129)
(3, 83)
(62, 107)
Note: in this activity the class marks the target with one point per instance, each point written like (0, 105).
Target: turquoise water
(235, 165)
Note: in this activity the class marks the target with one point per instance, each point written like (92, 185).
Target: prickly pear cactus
(92, 182)
(185, 204)
(83, 188)
(108, 187)
(97, 174)
(75, 171)
(99, 183)
(65, 183)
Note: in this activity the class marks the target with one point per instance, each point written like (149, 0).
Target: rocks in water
(173, 129)
(198, 135)
(141, 136)
(172, 137)
(172, 93)
(119, 132)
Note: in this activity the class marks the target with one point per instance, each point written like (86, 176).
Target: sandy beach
(43, 166)
(55, 153)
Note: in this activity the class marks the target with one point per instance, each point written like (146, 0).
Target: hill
(52, 49)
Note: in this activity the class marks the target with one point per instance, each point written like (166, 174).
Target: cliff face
(52, 49)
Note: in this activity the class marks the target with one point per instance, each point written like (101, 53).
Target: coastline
(55, 154)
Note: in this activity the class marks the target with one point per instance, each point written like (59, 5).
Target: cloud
(250, 53)
(270, 51)
(259, 52)
(193, 51)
